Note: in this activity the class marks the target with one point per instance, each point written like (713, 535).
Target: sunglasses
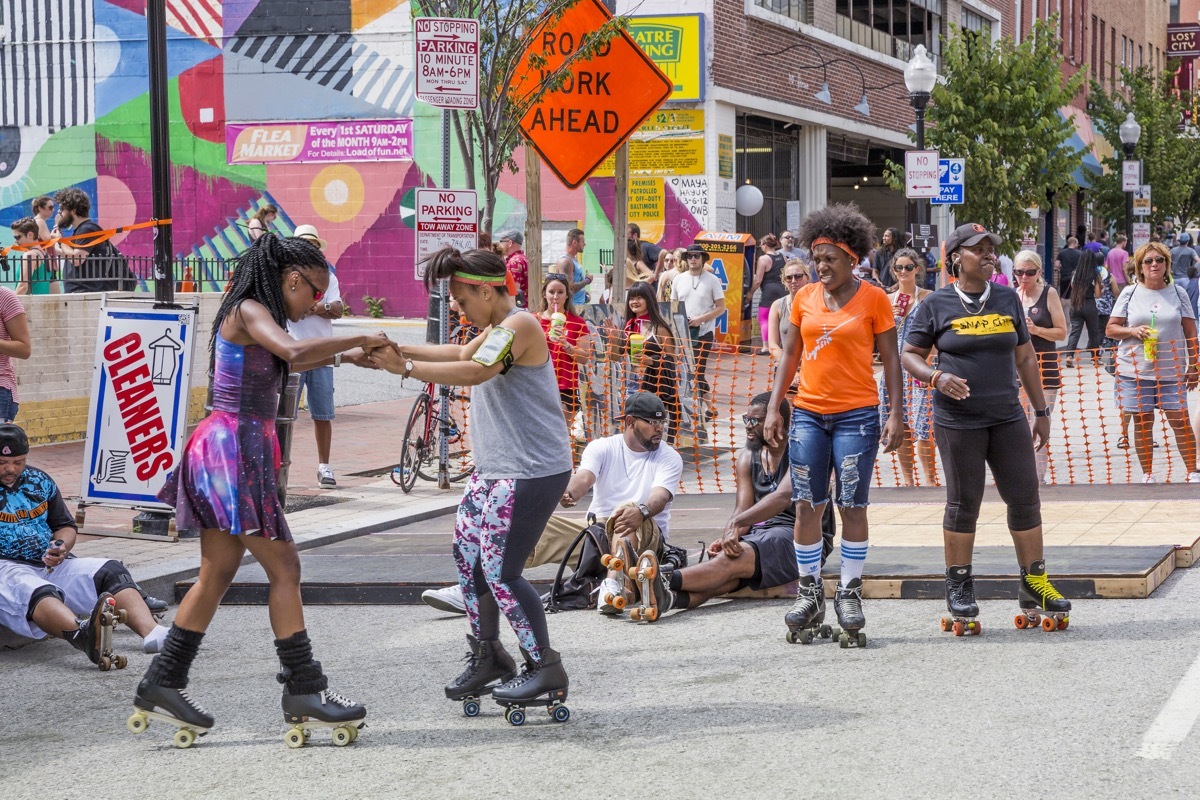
(694, 255)
(556, 276)
(1155, 260)
(790, 278)
(787, 238)
(317, 293)
(905, 267)
(1026, 272)
(750, 421)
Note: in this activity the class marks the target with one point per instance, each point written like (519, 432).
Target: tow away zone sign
(445, 218)
(448, 62)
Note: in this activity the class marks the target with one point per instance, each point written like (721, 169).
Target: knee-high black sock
(170, 667)
(298, 672)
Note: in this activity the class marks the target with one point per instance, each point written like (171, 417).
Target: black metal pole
(1128, 206)
(160, 149)
(1048, 249)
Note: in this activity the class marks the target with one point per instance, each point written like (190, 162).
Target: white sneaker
(448, 599)
(610, 591)
(325, 477)
(1193, 477)
(1148, 478)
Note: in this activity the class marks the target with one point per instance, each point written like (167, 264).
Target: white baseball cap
(309, 232)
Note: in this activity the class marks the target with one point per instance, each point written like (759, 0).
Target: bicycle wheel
(415, 448)
(459, 464)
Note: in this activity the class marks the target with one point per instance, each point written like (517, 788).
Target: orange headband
(826, 240)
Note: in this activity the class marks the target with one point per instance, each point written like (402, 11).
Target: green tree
(488, 136)
(996, 105)
(1170, 157)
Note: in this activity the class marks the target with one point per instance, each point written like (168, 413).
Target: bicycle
(419, 453)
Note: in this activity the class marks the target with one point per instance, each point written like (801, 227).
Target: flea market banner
(321, 141)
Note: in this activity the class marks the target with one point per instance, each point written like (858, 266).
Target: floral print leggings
(499, 523)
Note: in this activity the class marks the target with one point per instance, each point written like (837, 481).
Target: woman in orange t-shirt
(836, 324)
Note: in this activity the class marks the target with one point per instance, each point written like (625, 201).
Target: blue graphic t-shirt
(30, 512)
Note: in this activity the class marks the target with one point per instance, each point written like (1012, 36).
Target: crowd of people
(971, 368)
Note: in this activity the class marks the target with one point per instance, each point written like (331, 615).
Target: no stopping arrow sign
(447, 62)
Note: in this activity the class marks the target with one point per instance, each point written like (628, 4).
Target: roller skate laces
(1041, 586)
(331, 697)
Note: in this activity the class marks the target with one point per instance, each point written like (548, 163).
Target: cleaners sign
(602, 100)
(137, 416)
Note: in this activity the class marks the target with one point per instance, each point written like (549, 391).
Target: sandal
(1123, 442)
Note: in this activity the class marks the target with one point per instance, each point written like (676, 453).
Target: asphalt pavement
(708, 703)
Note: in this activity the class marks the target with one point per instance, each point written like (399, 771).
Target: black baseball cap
(13, 441)
(969, 234)
(645, 405)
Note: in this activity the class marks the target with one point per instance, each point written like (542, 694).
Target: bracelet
(337, 359)
(937, 373)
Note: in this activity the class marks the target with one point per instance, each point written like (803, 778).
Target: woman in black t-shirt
(979, 330)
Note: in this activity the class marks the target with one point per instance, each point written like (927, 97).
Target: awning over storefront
(1084, 138)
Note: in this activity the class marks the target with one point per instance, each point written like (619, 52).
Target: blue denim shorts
(845, 444)
(8, 408)
(319, 382)
(1141, 396)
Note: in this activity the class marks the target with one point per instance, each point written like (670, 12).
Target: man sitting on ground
(633, 476)
(43, 588)
(756, 549)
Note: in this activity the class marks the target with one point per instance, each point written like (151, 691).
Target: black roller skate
(543, 684)
(960, 602)
(1037, 596)
(95, 635)
(847, 602)
(488, 666)
(325, 709)
(172, 706)
(806, 619)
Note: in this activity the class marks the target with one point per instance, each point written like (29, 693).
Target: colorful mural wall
(78, 115)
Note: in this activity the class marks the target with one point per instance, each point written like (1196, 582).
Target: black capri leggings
(1006, 448)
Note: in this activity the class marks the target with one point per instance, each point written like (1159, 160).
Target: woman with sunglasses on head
(836, 323)
(225, 484)
(983, 346)
(567, 337)
(1046, 321)
(522, 467)
(907, 270)
(1157, 360)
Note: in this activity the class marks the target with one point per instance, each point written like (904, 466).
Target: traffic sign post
(447, 62)
(1131, 175)
(921, 174)
(1141, 201)
(445, 218)
(602, 100)
(1141, 234)
(924, 237)
(951, 182)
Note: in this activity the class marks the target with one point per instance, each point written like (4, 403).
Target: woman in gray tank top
(522, 466)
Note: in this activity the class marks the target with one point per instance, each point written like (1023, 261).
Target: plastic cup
(636, 343)
(1150, 345)
(558, 324)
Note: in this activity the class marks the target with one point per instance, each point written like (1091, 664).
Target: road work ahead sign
(603, 101)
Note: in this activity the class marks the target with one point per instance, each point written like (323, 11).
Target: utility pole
(160, 150)
(620, 219)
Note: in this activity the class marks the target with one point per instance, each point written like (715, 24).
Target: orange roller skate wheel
(945, 623)
(635, 614)
(959, 628)
(618, 602)
(1021, 621)
(978, 629)
(1049, 624)
(1062, 626)
(632, 573)
(650, 572)
(651, 614)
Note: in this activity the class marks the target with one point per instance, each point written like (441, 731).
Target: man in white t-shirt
(633, 476)
(703, 300)
(319, 324)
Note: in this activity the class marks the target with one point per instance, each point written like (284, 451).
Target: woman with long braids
(225, 486)
(836, 323)
(522, 467)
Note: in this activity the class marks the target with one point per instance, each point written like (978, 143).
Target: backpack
(117, 269)
(579, 590)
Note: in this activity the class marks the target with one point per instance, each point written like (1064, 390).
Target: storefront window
(767, 155)
(973, 21)
(892, 27)
(799, 10)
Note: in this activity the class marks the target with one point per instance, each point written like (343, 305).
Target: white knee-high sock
(854, 556)
(808, 559)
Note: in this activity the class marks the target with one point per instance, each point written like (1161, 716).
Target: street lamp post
(1130, 132)
(919, 77)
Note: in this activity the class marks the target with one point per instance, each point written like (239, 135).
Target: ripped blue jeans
(845, 444)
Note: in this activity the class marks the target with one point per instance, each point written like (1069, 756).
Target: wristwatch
(645, 509)
(328, 306)
(337, 359)
(408, 366)
(1045, 412)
